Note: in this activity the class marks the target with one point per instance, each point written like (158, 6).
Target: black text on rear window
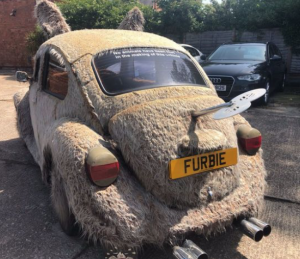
(125, 70)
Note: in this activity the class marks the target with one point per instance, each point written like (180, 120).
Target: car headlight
(252, 77)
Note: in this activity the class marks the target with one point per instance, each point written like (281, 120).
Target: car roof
(246, 43)
(76, 44)
(186, 45)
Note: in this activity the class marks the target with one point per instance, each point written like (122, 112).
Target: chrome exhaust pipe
(266, 228)
(189, 251)
(196, 250)
(182, 253)
(251, 230)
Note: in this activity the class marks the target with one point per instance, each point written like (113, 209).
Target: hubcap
(267, 92)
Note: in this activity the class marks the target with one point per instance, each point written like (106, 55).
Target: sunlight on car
(237, 52)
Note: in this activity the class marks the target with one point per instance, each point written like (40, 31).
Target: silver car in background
(196, 53)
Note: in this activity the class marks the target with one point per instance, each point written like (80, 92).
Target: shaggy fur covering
(133, 21)
(144, 130)
(24, 125)
(95, 41)
(153, 133)
(50, 19)
(125, 214)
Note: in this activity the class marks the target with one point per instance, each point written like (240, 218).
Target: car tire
(61, 206)
(264, 100)
(282, 86)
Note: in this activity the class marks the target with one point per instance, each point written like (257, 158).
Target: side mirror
(275, 57)
(203, 57)
(22, 76)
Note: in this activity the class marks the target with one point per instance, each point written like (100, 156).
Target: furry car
(131, 95)
(110, 119)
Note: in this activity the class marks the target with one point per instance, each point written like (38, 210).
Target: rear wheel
(266, 97)
(61, 206)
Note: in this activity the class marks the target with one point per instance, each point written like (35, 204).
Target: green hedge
(182, 16)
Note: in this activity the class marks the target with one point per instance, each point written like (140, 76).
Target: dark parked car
(240, 67)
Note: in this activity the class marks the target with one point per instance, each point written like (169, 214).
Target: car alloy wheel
(265, 99)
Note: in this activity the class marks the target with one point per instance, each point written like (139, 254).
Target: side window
(55, 77)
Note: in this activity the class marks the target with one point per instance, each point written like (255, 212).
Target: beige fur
(96, 41)
(24, 125)
(133, 21)
(50, 19)
(145, 130)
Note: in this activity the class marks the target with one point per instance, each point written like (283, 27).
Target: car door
(275, 62)
(281, 63)
(46, 93)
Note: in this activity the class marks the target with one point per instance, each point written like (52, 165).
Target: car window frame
(125, 92)
(45, 74)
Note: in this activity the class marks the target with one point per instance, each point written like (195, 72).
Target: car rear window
(125, 70)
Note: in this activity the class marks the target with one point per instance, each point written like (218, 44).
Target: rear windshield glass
(125, 70)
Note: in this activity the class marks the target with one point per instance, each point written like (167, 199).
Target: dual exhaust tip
(255, 228)
(252, 227)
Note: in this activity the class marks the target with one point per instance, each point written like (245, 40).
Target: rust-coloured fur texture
(144, 130)
(133, 21)
(50, 19)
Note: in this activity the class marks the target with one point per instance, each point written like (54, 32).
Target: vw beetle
(109, 119)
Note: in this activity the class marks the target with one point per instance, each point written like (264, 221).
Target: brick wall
(13, 30)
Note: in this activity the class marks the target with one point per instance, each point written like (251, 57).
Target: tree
(34, 40)
(256, 14)
(100, 14)
(180, 16)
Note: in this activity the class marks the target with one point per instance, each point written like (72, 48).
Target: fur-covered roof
(76, 44)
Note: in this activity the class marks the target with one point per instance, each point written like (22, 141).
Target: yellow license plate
(187, 166)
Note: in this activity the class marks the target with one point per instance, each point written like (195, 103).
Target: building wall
(13, 30)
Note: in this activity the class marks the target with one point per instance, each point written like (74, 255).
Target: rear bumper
(134, 217)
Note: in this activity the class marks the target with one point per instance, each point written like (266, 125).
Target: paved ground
(29, 229)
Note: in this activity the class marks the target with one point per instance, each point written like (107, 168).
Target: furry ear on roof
(50, 18)
(134, 20)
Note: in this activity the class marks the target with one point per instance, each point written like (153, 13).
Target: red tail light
(249, 138)
(107, 172)
(251, 143)
(102, 166)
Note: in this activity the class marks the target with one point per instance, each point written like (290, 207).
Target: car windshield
(239, 52)
(125, 70)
